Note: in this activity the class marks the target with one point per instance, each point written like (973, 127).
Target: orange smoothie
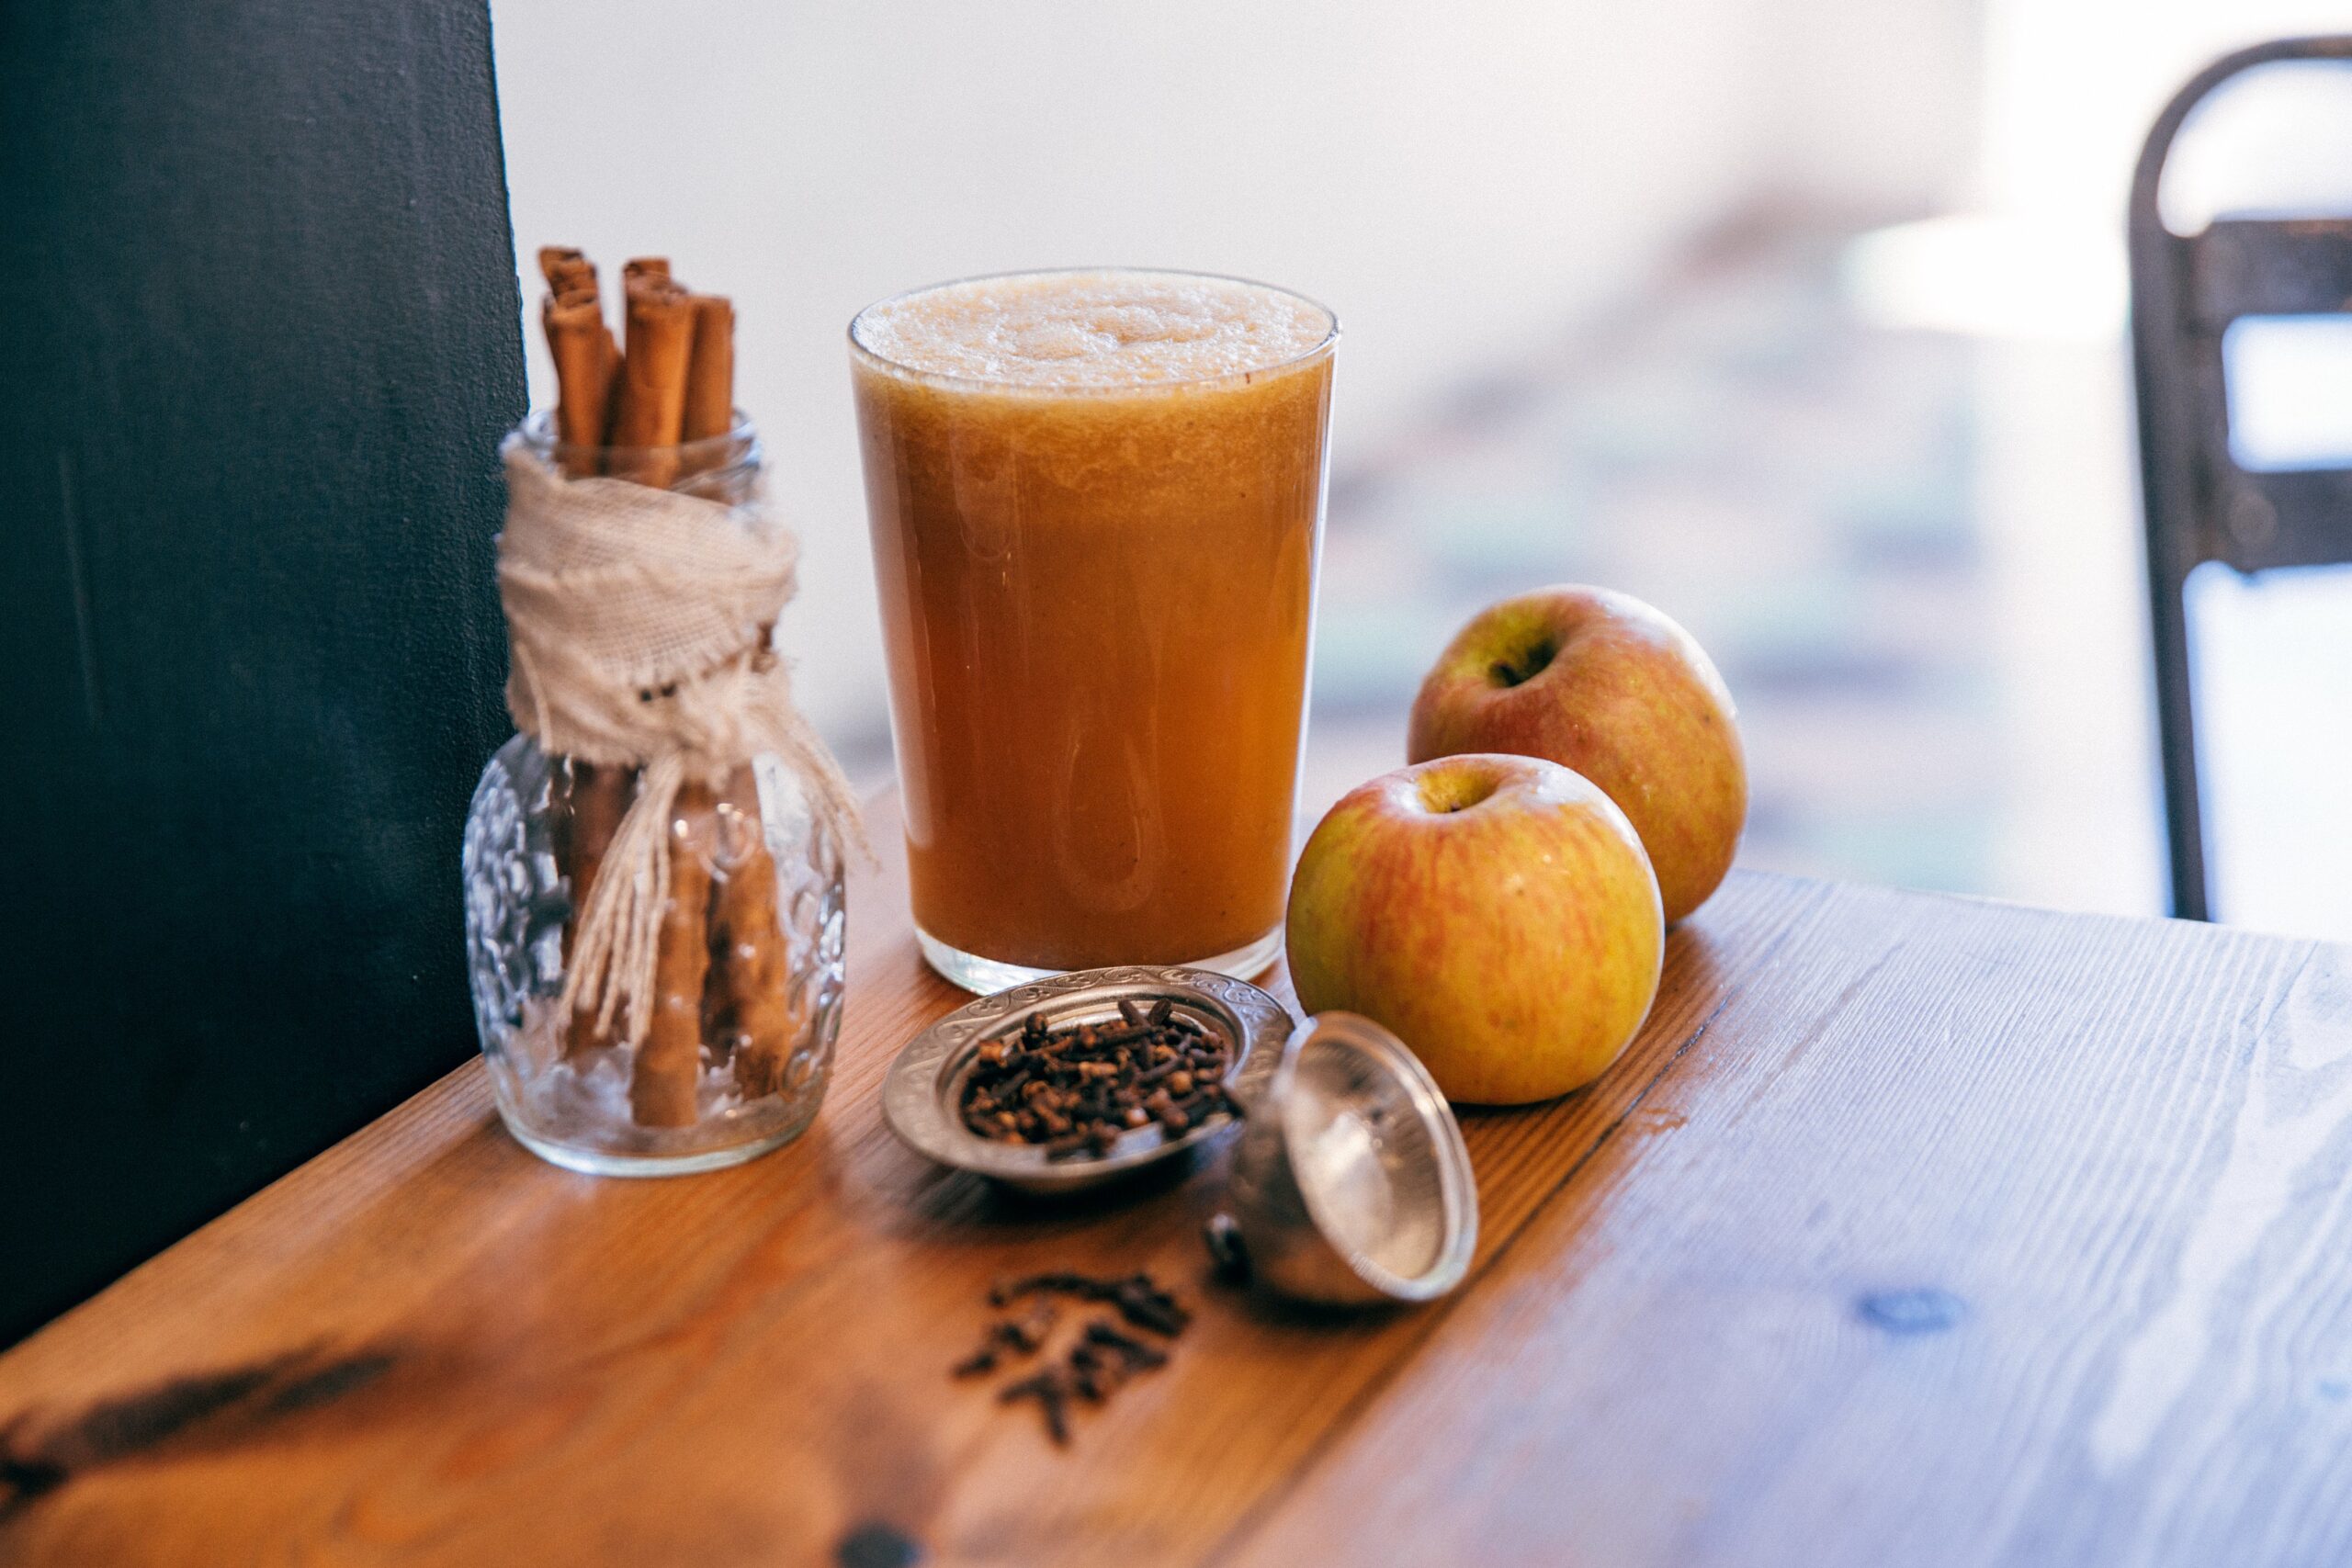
(1096, 501)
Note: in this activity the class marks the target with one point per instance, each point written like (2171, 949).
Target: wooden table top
(1912, 1230)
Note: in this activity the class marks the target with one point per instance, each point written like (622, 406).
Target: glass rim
(1322, 349)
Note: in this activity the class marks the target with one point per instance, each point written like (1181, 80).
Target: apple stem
(1508, 673)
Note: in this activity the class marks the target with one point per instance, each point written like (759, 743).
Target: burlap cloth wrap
(640, 622)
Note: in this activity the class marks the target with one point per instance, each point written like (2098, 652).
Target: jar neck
(724, 468)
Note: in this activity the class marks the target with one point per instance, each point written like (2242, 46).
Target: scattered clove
(1139, 1300)
(1023, 1336)
(1133, 1352)
(1052, 1395)
(1077, 1090)
(1104, 1356)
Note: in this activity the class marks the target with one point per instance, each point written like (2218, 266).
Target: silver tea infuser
(926, 1082)
(1351, 1184)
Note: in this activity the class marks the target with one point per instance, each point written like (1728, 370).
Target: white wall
(1455, 179)
(1869, 107)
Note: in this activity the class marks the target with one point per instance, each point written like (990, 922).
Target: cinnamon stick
(720, 966)
(567, 269)
(599, 798)
(651, 412)
(668, 1060)
(751, 974)
(586, 366)
(554, 257)
(710, 370)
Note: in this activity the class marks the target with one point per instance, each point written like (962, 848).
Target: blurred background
(1801, 318)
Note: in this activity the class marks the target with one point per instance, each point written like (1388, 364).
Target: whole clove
(1133, 1352)
(1104, 1356)
(1023, 1335)
(1076, 1090)
(1052, 1393)
(1089, 1378)
(1140, 1299)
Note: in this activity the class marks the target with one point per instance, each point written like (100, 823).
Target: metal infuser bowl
(1351, 1184)
(925, 1086)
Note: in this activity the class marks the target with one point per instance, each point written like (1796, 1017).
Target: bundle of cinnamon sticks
(624, 412)
(722, 982)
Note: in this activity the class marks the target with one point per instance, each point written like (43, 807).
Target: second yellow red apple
(1601, 683)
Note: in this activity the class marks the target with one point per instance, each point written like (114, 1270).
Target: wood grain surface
(1911, 1230)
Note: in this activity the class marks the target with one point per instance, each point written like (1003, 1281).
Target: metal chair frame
(2198, 505)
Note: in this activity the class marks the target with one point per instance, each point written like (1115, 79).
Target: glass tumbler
(1096, 507)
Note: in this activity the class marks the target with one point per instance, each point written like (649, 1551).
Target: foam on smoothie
(1093, 329)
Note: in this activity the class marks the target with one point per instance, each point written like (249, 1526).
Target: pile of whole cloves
(1077, 1090)
(1104, 1355)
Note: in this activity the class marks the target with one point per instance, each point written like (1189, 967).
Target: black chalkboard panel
(259, 336)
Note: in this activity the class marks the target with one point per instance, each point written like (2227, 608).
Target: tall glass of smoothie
(1096, 500)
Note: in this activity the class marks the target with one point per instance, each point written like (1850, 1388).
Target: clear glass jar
(748, 986)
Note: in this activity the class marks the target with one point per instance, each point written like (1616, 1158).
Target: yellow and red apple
(1495, 913)
(1601, 683)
